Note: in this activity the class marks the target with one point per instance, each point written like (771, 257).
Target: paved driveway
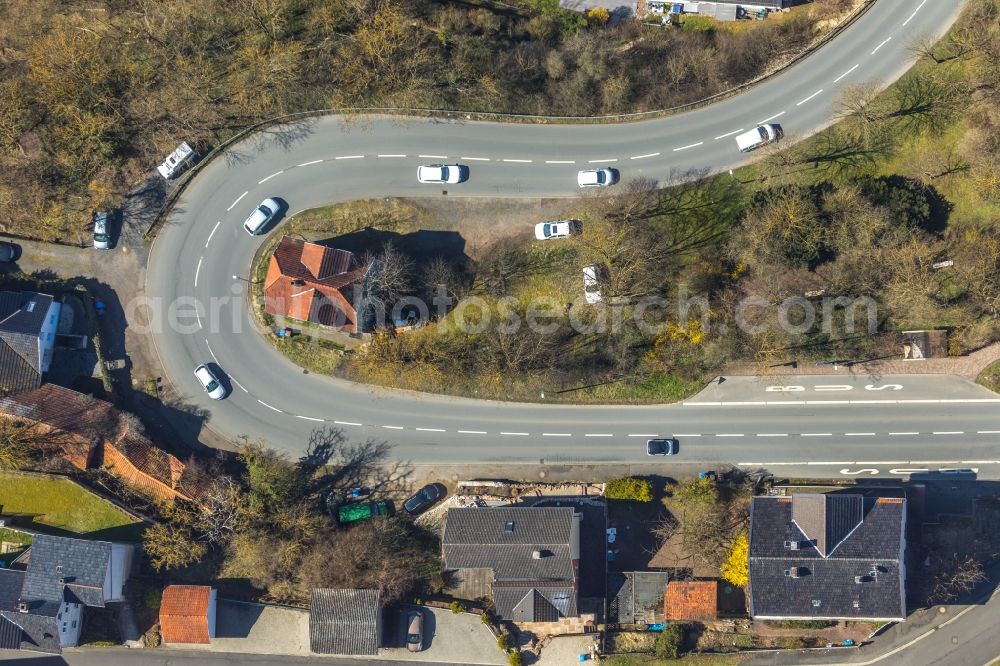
(449, 638)
(257, 629)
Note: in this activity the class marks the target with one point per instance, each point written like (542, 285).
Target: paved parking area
(449, 638)
(565, 650)
(257, 629)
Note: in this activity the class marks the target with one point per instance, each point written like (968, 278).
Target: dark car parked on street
(424, 498)
(9, 252)
(662, 447)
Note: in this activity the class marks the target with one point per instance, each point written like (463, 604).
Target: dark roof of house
(36, 630)
(812, 556)
(534, 602)
(345, 621)
(22, 314)
(16, 372)
(63, 569)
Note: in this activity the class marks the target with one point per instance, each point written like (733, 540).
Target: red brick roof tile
(184, 614)
(695, 600)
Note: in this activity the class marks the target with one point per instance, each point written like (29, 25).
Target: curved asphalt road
(203, 246)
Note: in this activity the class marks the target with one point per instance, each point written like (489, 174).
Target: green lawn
(59, 506)
(990, 377)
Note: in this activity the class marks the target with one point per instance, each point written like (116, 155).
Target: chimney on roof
(22, 607)
(298, 283)
(536, 554)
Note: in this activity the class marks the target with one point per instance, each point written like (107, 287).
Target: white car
(102, 241)
(591, 284)
(260, 216)
(441, 173)
(757, 137)
(557, 229)
(176, 161)
(596, 177)
(213, 387)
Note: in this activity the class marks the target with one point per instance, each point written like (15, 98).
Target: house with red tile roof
(311, 282)
(187, 614)
(691, 600)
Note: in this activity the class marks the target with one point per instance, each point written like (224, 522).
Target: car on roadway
(102, 240)
(596, 177)
(261, 216)
(213, 387)
(592, 284)
(557, 229)
(757, 137)
(424, 499)
(9, 252)
(662, 447)
(442, 173)
(415, 631)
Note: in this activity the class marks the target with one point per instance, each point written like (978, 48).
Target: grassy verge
(59, 505)
(990, 377)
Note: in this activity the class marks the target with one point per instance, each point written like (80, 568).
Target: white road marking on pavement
(809, 98)
(393, 427)
(349, 157)
(693, 145)
(642, 157)
(556, 434)
(197, 316)
(777, 115)
(948, 432)
(833, 387)
(270, 407)
(881, 45)
(988, 432)
(772, 434)
(197, 270)
(519, 161)
(859, 434)
(908, 470)
(431, 429)
(308, 418)
(391, 155)
(829, 463)
(784, 403)
(211, 352)
(865, 470)
(212, 234)
(311, 163)
(233, 205)
(837, 80)
(646, 434)
(278, 173)
(598, 434)
(723, 136)
(515, 434)
(350, 423)
(685, 435)
(730, 435)
(434, 157)
(475, 159)
(914, 12)
(233, 380)
(473, 432)
(978, 462)
(816, 434)
(894, 434)
(614, 159)
(560, 162)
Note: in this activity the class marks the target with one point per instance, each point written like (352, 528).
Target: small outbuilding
(187, 614)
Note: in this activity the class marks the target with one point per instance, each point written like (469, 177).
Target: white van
(757, 137)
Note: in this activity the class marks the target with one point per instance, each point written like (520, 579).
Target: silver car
(442, 173)
(260, 216)
(415, 631)
(102, 241)
(557, 229)
(596, 177)
(213, 387)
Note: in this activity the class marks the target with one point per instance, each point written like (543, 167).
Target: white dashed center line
(838, 79)
(899, 434)
(431, 429)
(615, 159)
(264, 180)
(212, 353)
(212, 234)
(915, 12)
(473, 432)
(560, 162)
(393, 427)
(233, 380)
(881, 45)
(308, 418)
(988, 432)
(350, 423)
(730, 435)
(777, 115)
(647, 435)
(233, 205)
(434, 157)
(519, 161)
(693, 145)
(685, 435)
(948, 432)
(309, 163)
(642, 157)
(391, 155)
(515, 434)
(475, 159)
(556, 434)
(270, 407)
(197, 270)
(599, 434)
(349, 157)
(809, 98)
(859, 434)
(723, 136)
(772, 434)
(817, 434)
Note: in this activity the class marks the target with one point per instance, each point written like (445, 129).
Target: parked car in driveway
(213, 387)
(591, 284)
(557, 229)
(415, 631)
(261, 216)
(424, 499)
(596, 177)
(442, 173)
(102, 239)
(662, 447)
(9, 252)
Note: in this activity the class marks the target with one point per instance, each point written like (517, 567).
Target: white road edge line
(212, 353)
(233, 380)
(693, 145)
(642, 157)
(844, 75)
(309, 418)
(919, 7)
(723, 136)
(881, 45)
(233, 205)
(475, 159)
(434, 157)
(309, 163)
(431, 429)
(349, 157)
(473, 432)
(197, 270)
(777, 115)
(350, 423)
(264, 180)
(560, 162)
(269, 406)
(809, 98)
(212, 234)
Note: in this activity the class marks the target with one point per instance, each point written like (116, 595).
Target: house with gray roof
(345, 622)
(41, 603)
(28, 323)
(828, 557)
(526, 559)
